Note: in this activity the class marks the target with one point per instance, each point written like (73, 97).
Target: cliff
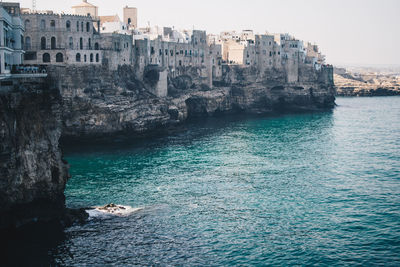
(367, 82)
(100, 102)
(91, 101)
(32, 172)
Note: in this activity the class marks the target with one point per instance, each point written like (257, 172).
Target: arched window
(77, 26)
(53, 43)
(84, 57)
(59, 57)
(81, 26)
(68, 25)
(78, 57)
(46, 57)
(52, 24)
(97, 57)
(71, 43)
(96, 46)
(27, 43)
(90, 44)
(43, 43)
(91, 57)
(81, 43)
(87, 26)
(27, 24)
(42, 24)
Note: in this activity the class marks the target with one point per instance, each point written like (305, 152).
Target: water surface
(308, 189)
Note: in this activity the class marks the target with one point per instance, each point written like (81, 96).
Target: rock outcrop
(99, 102)
(32, 172)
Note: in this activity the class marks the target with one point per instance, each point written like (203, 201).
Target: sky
(349, 32)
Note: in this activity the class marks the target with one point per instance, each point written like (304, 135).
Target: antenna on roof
(33, 5)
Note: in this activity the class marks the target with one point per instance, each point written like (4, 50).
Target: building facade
(61, 39)
(11, 37)
(131, 17)
(86, 9)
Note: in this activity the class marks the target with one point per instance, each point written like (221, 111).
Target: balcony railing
(28, 69)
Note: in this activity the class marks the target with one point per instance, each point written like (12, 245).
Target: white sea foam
(111, 210)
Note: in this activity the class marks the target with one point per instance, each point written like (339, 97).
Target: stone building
(130, 17)
(86, 9)
(11, 37)
(233, 52)
(117, 49)
(176, 56)
(216, 60)
(113, 24)
(61, 39)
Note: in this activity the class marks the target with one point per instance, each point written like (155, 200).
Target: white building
(113, 24)
(11, 37)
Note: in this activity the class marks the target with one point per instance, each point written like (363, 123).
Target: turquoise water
(308, 189)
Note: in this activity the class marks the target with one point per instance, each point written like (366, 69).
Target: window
(59, 57)
(27, 24)
(43, 43)
(78, 57)
(77, 26)
(97, 57)
(91, 57)
(27, 43)
(87, 26)
(53, 43)
(71, 43)
(68, 25)
(30, 56)
(52, 24)
(81, 43)
(90, 44)
(42, 24)
(96, 46)
(270, 53)
(84, 58)
(81, 26)
(46, 57)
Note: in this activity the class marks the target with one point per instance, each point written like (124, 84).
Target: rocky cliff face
(94, 101)
(98, 102)
(32, 172)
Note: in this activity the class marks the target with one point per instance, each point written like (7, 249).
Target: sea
(309, 189)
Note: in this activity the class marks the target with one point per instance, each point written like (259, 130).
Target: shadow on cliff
(194, 129)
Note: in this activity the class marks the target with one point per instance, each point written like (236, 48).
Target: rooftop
(84, 4)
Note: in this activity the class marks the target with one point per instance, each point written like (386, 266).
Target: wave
(111, 210)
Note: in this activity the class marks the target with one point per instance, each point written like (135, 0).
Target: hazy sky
(348, 31)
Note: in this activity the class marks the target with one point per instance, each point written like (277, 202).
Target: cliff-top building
(11, 37)
(86, 9)
(130, 17)
(61, 39)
